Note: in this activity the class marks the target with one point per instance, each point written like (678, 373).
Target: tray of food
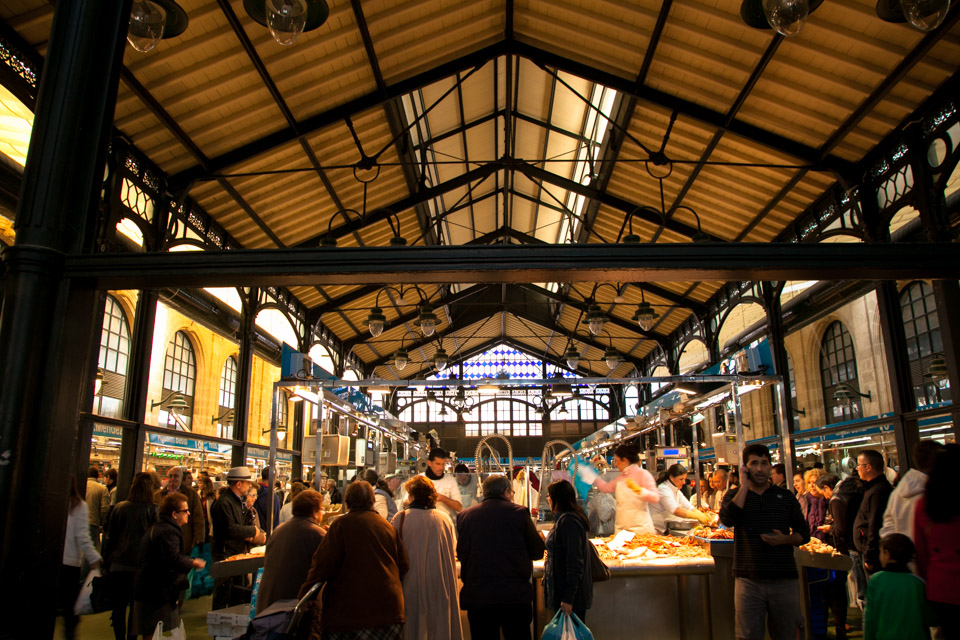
(238, 564)
(712, 534)
(820, 555)
(628, 548)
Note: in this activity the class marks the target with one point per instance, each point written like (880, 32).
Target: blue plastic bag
(554, 629)
(564, 627)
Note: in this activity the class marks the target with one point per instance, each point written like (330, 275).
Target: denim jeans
(767, 604)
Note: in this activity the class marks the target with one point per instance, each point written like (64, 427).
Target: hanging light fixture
(440, 358)
(595, 319)
(572, 356)
(376, 321)
(645, 315)
(925, 15)
(154, 20)
(938, 369)
(400, 358)
(787, 17)
(287, 19)
(427, 320)
(612, 357)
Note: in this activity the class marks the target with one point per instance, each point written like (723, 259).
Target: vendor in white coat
(673, 505)
(634, 490)
(448, 491)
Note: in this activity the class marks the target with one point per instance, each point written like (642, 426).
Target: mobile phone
(749, 475)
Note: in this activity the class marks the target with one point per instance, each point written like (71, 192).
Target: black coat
(230, 528)
(567, 576)
(128, 523)
(497, 543)
(163, 566)
(843, 507)
(866, 526)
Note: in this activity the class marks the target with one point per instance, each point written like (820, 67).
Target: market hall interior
(633, 194)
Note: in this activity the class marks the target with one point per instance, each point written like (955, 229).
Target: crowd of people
(904, 544)
(388, 563)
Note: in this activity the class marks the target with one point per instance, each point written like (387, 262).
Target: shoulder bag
(598, 568)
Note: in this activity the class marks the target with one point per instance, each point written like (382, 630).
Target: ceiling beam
(428, 193)
(518, 264)
(479, 57)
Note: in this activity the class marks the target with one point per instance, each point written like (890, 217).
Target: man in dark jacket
(231, 533)
(497, 543)
(290, 550)
(866, 526)
(262, 505)
(769, 524)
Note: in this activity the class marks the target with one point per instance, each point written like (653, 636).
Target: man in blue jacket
(497, 543)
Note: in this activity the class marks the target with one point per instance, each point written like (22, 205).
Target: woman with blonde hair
(430, 587)
(816, 502)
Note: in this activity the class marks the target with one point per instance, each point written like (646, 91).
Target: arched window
(838, 364)
(114, 356)
(227, 398)
(921, 324)
(179, 376)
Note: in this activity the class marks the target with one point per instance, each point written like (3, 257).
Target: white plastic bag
(177, 634)
(83, 606)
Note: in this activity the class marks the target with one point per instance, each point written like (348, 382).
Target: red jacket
(938, 554)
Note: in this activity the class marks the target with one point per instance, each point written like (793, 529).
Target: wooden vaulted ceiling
(478, 115)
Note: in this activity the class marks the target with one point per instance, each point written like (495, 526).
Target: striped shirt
(776, 508)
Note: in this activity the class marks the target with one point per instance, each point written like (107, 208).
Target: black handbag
(598, 568)
(101, 595)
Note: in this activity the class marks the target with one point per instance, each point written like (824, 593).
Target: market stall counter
(657, 591)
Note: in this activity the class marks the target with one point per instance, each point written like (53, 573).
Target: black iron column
(898, 370)
(135, 393)
(42, 346)
(241, 408)
(947, 295)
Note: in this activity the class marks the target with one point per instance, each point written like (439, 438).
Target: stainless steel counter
(659, 597)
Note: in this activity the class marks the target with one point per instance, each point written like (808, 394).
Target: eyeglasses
(182, 511)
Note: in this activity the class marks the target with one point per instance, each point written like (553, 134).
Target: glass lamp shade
(925, 15)
(441, 359)
(281, 434)
(376, 321)
(286, 19)
(427, 321)
(612, 357)
(400, 358)
(595, 319)
(147, 20)
(645, 315)
(572, 357)
(787, 17)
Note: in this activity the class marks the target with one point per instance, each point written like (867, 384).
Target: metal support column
(47, 322)
(947, 295)
(135, 392)
(241, 409)
(906, 432)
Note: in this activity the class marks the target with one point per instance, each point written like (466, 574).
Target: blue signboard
(264, 454)
(106, 431)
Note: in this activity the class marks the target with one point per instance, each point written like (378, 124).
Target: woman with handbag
(162, 571)
(430, 601)
(567, 577)
(128, 523)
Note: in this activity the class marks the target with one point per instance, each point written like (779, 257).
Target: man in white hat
(231, 533)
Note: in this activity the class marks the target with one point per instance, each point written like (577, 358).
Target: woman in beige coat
(430, 599)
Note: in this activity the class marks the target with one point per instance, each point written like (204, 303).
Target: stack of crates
(226, 624)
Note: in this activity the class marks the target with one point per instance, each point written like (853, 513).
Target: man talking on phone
(769, 524)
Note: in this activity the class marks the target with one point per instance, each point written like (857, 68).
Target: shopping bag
(93, 597)
(554, 628)
(176, 634)
(574, 629)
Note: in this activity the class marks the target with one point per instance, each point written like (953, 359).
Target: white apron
(632, 512)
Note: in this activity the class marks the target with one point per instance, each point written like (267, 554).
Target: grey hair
(496, 487)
